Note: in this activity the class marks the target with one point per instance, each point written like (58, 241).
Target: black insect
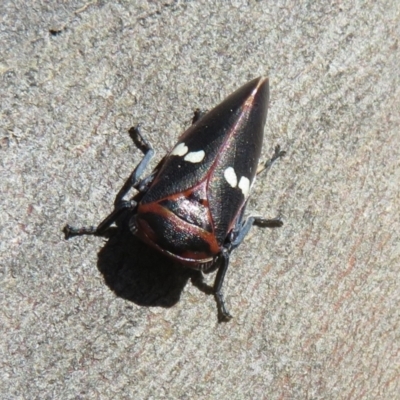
(191, 207)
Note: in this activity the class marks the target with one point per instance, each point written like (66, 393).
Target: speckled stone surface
(315, 303)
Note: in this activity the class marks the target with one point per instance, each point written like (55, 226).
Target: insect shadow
(137, 273)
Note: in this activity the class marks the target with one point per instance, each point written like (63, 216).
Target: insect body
(191, 207)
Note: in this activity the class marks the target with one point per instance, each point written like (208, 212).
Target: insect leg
(243, 228)
(134, 178)
(238, 234)
(70, 231)
(266, 166)
(119, 204)
(219, 280)
(198, 114)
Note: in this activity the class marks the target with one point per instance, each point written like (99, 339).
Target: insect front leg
(120, 205)
(224, 314)
(236, 238)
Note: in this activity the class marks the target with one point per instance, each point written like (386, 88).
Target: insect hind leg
(120, 205)
(198, 114)
(267, 165)
(134, 178)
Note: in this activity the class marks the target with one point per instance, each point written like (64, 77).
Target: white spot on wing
(195, 156)
(180, 150)
(244, 186)
(230, 176)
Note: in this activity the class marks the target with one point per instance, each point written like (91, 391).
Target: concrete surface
(315, 303)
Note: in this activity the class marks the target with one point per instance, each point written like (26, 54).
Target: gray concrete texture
(315, 303)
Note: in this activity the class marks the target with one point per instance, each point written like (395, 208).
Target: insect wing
(200, 147)
(235, 168)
